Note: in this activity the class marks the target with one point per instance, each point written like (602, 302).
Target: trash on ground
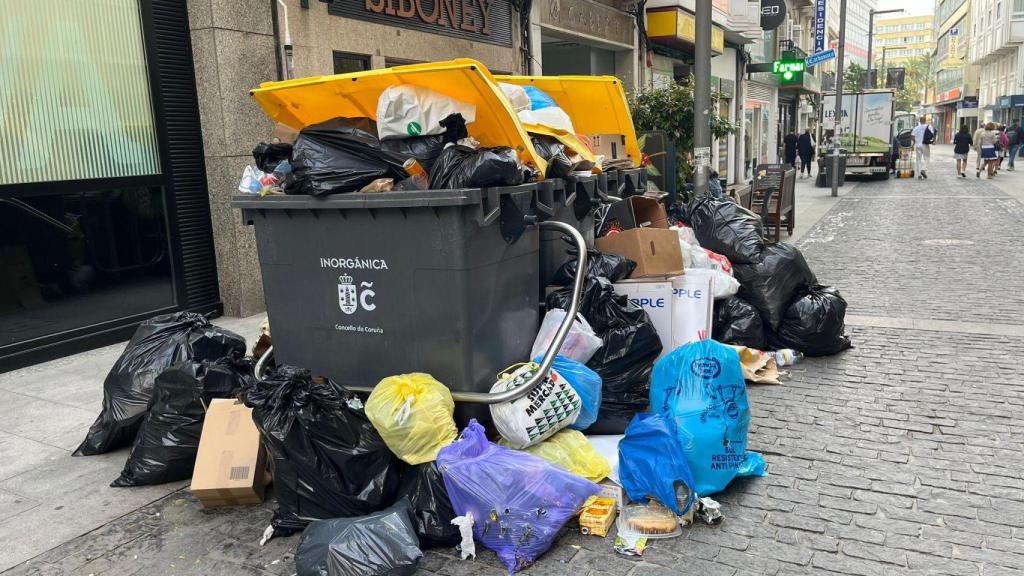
(758, 367)
(467, 546)
(381, 543)
(651, 520)
(624, 362)
(571, 451)
(709, 511)
(652, 464)
(814, 324)
(231, 459)
(629, 543)
(413, 414)
(550, 406)
(773, 282)
(598, 516)
(726, 228)
(432, 510)
(700, 389)
(580, 343)
(737, 322)
(587, 385)
(519, 502)
(328, 459)
(787, 356)
(128, 388)
(168, 440)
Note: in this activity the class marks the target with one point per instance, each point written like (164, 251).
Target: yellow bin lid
(306, 101)
(596, 104)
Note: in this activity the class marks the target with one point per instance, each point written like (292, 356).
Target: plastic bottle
(416, 173)
(786, 357)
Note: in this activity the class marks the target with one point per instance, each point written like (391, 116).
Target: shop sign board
(588, 18)
(820, 13)
(773, 14)
(487, 21)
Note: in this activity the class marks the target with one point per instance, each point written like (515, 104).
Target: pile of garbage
(418, 141)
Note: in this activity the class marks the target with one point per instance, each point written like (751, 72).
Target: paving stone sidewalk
(904, 455)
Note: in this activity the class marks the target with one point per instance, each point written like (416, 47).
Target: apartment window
(392, 62)
(345, 62)
(1018, 10)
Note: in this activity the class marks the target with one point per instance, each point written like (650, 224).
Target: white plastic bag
(534, 418)
(405, 110)
(580, 344)
(723, 285)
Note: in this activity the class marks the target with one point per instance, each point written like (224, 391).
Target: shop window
(1018, 10)
(79, 259)
(74, 93)
(345, 62)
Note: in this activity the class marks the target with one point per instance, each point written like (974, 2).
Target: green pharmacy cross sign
(790, 71)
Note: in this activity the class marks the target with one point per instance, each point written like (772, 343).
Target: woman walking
(986, 147)
(961, 147)
(805, 146)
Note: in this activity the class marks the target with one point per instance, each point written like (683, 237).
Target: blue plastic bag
(519, 502)
(587, 385)
(700, 388)
(539, 99)
(652, 464)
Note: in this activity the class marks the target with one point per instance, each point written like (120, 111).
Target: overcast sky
(913, 7)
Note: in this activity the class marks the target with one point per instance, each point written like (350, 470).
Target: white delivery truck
(865, 130)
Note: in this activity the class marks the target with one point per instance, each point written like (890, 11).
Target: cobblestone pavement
(904, 455)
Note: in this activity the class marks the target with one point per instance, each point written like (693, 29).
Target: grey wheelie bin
(363, 286)
(573, 202)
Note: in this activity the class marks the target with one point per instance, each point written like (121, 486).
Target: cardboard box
(611, 146)
(597, 516)
(655, 297)
(284, 133)
(637, 212)
(231, 463)
(692, 307)
(656, 251)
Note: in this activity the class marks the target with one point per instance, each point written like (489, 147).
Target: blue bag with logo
(700, 388)
(651, 464)
(587, 385)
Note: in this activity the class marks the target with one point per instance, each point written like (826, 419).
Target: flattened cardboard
(611, 146)
(656, 251)
(231, 463)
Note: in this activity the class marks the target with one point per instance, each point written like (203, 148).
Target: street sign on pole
(820, 57)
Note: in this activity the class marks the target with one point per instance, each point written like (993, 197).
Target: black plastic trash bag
(464, 167)
(340, 155)
(553, 152)
(737, 322)
(726, 228)
(425, 149)
(128, 388)
(328, 460)
(268, 155)
(165, 448)
(772, 283)
(379, 544)
(624, 362)
(611, 266)
(814, 324)
(432, 510)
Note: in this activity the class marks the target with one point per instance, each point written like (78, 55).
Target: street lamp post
(871, 37)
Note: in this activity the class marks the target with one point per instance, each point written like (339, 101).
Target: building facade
(997, 33)
(902, 39)
(955, 99)
(858, 13)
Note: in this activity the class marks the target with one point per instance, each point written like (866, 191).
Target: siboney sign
(479, 20)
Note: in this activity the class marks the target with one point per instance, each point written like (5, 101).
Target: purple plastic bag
(518, 501)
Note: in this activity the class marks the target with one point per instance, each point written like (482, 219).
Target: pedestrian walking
(1014, 135)
(789, 147)
(924, 136)
(1002, 146)
(986, 146)
(805, 147)
(961, 147)
(979, 162)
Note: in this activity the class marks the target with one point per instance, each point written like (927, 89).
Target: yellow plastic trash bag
(413, 414)
(571, 450)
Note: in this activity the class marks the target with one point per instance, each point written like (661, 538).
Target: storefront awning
(675, 27)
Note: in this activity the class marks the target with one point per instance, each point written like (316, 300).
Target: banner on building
(819, 25)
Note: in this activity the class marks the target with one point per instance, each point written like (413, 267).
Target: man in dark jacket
(789, 148)
(805, 146)
(1013, 134)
